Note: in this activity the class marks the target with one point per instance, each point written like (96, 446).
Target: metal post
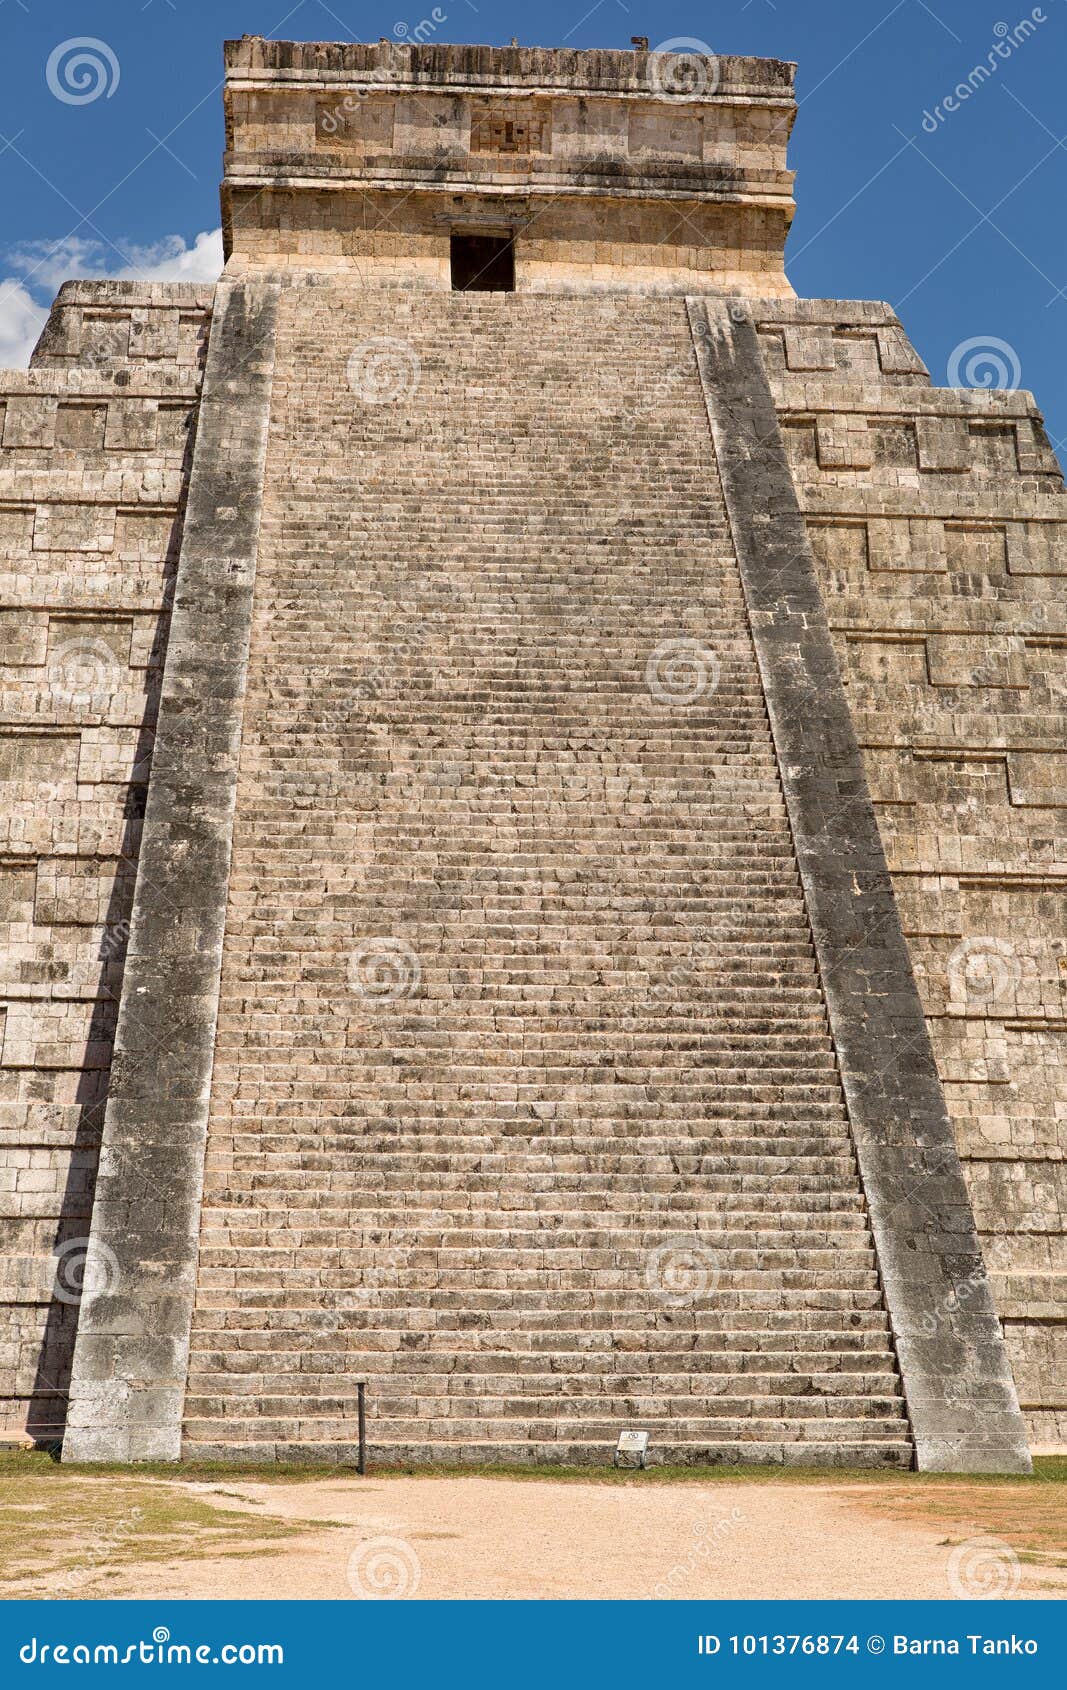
(362, 1410)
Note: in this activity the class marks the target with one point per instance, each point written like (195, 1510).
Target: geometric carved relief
(74, 528)
(30, 421)
(36, 758)
(80, 428)
(17, 888)
(809, 347)
(16, 528)
(144, 535)
(522, 126)
(357, 121)
(986, 660)
(1037, 548)
(843, 441)
(944, 443)
(78, 891)
(131, 425)
(913, 544)
(975, 549)
(23, 639)
(1038, 779)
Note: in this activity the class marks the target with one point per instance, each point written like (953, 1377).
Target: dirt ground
(70, 1533)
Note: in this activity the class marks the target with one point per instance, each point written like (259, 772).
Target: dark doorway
(483, 264)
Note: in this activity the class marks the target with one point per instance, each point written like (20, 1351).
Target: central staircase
(525, 1107)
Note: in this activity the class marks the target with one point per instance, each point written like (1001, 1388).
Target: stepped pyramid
(535, 811)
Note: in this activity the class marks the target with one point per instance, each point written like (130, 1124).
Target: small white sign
(632, 1443)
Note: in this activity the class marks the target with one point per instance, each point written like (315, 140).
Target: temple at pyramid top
(530, 168)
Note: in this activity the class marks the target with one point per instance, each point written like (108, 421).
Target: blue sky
(958, 222)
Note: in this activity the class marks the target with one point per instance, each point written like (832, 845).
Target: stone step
(863, 1452)
(747, 1187)
(530, 1331)
(604, 1429)
(566, 1370)
(400, 1406)
(437, 1153)
(553, 1162)
(245, 1255)
(462, 1229)
(601, 1305)
(459, 733)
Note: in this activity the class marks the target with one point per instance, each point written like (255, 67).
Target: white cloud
(42, 266)
(21, 321)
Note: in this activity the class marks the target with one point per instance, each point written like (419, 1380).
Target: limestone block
(30, 422)
(956, 660)
(843, 441)
(1037, 548)
(74, 528)
(944, 443)
(1038, 778)
(809, 347)
(915, 545)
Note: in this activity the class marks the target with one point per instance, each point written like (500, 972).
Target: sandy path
(482, 1537)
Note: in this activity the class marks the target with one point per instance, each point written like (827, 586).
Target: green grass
(68, 1538)
(1048, 1469)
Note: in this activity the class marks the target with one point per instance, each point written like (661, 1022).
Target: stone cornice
(254, 62)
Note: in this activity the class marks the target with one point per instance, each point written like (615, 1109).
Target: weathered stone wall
(939, 526)
(607, 177)
(497, 1023)
(461, 1097)
(131, 1358)
(962, 1401)
(94, 442)
(939, 520)
(401, 239)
